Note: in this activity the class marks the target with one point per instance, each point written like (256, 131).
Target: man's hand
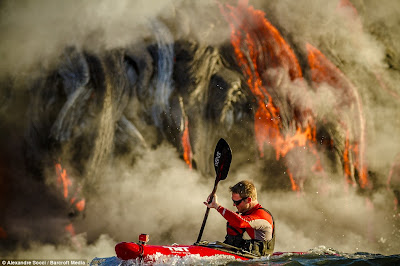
(214, 203)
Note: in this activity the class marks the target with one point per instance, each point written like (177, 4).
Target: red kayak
(131, 250)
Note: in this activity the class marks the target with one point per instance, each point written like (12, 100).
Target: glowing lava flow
(64, 182)
(323, 71)
(62, 179)
(258, 46)
(187, 149)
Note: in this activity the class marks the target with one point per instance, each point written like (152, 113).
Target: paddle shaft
(222, 161)
(207, 211)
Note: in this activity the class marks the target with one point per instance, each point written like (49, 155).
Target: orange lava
(324, 71)
(187, 149)
(259, 46)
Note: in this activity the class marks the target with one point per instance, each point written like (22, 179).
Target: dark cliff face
(293, 112)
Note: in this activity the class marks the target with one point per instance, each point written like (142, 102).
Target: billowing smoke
(110, 114)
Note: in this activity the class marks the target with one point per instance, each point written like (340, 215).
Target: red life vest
(257, 223)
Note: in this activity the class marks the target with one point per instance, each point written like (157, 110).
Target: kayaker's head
(244, 195)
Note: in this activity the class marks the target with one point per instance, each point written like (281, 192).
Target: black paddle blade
(222, 159)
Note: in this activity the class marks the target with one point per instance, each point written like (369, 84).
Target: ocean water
(317, 256)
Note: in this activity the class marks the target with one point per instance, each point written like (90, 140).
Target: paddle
(222, 161)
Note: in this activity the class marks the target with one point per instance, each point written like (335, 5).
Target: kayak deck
(130, 250)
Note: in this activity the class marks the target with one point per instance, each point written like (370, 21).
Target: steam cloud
(158, 194)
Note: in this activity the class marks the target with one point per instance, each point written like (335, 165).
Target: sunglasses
(237, 202)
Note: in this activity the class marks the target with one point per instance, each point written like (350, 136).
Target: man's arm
(255, 220)
(235, 219)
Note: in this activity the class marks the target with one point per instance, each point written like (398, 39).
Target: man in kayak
(251, 227)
